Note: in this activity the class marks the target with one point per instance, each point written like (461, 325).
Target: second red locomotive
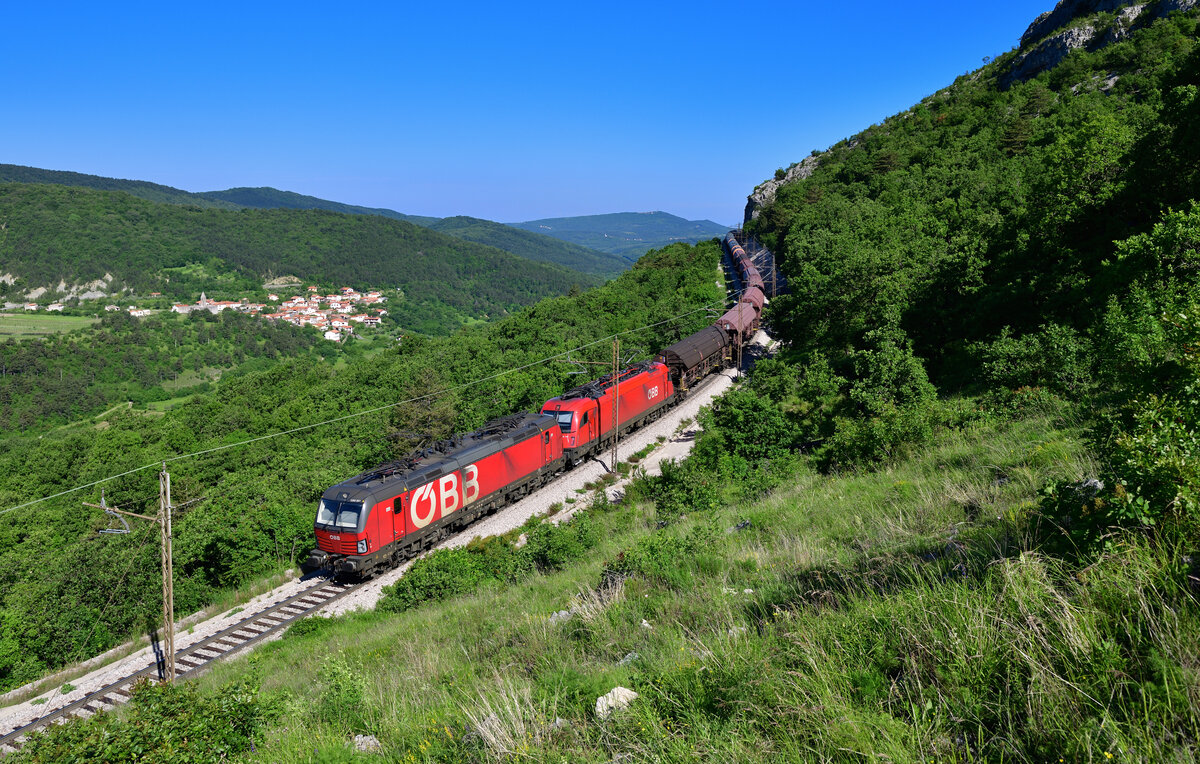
(585, 414)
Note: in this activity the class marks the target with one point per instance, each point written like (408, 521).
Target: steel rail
(194, 659)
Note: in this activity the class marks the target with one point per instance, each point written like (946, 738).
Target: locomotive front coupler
(317, 559)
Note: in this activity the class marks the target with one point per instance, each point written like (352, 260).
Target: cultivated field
(33, 325)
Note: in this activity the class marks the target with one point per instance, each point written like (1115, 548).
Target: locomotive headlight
(362, 546)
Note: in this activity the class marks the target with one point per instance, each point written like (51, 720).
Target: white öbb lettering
(470, 484)
(652, 393)
(443, 494)
(423, 495)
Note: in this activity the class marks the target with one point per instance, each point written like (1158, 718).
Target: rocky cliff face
(764, 193)
(1043, 49)
(1063, 13)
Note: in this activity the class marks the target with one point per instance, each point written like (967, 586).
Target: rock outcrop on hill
(1042, 48)
(764, 193)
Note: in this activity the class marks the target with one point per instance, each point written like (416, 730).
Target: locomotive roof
(598, 387)
(395, 477)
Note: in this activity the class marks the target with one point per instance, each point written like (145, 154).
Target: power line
(293, 431)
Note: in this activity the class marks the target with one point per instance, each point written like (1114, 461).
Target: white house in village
(55, 307)
(333, 335)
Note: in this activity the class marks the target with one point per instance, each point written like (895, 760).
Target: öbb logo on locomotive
(399, 509)
(447, 493)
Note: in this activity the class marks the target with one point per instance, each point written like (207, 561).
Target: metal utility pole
(164, 522)
(164, 504)
(616, 404)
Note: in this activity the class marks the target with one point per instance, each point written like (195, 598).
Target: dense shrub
(171, 724)
(1055, 356)
(443, 574)
(551, 547)
(1147, 421)
(447, 573)
(890, 402)
(682, 488)
(665, 555)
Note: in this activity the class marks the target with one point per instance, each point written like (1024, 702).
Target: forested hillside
(153, 192)
(508, 238)
(74, 235)
(229, 199)
(259, 499)
(986, 239)
(60, 379)
(267, 198)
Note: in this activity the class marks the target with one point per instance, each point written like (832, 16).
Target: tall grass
(902, 615)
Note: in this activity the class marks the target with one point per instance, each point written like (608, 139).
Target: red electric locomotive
(585, 414)
(399, 509)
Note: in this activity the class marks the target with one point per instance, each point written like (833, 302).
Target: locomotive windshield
(564, 420)
(339, 514)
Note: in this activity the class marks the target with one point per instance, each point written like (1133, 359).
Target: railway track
(193, 659)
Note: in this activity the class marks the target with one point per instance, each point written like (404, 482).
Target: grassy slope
(895, 613)
(626, 234)
(17, 325)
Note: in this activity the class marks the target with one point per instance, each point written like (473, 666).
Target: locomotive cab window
(564, 420)
(339, 515)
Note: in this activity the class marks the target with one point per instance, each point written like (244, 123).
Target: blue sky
(504, 111)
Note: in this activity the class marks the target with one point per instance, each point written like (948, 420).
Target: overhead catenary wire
(365, 412)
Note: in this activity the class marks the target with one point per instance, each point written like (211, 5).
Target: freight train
(398, 510)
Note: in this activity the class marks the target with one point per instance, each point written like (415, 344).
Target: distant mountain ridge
(534, 245)
(154, 192)
(628, 234)
(58, 236)
(530, 245)
(267, 198)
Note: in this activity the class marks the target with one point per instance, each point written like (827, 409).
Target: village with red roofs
(335, 314)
